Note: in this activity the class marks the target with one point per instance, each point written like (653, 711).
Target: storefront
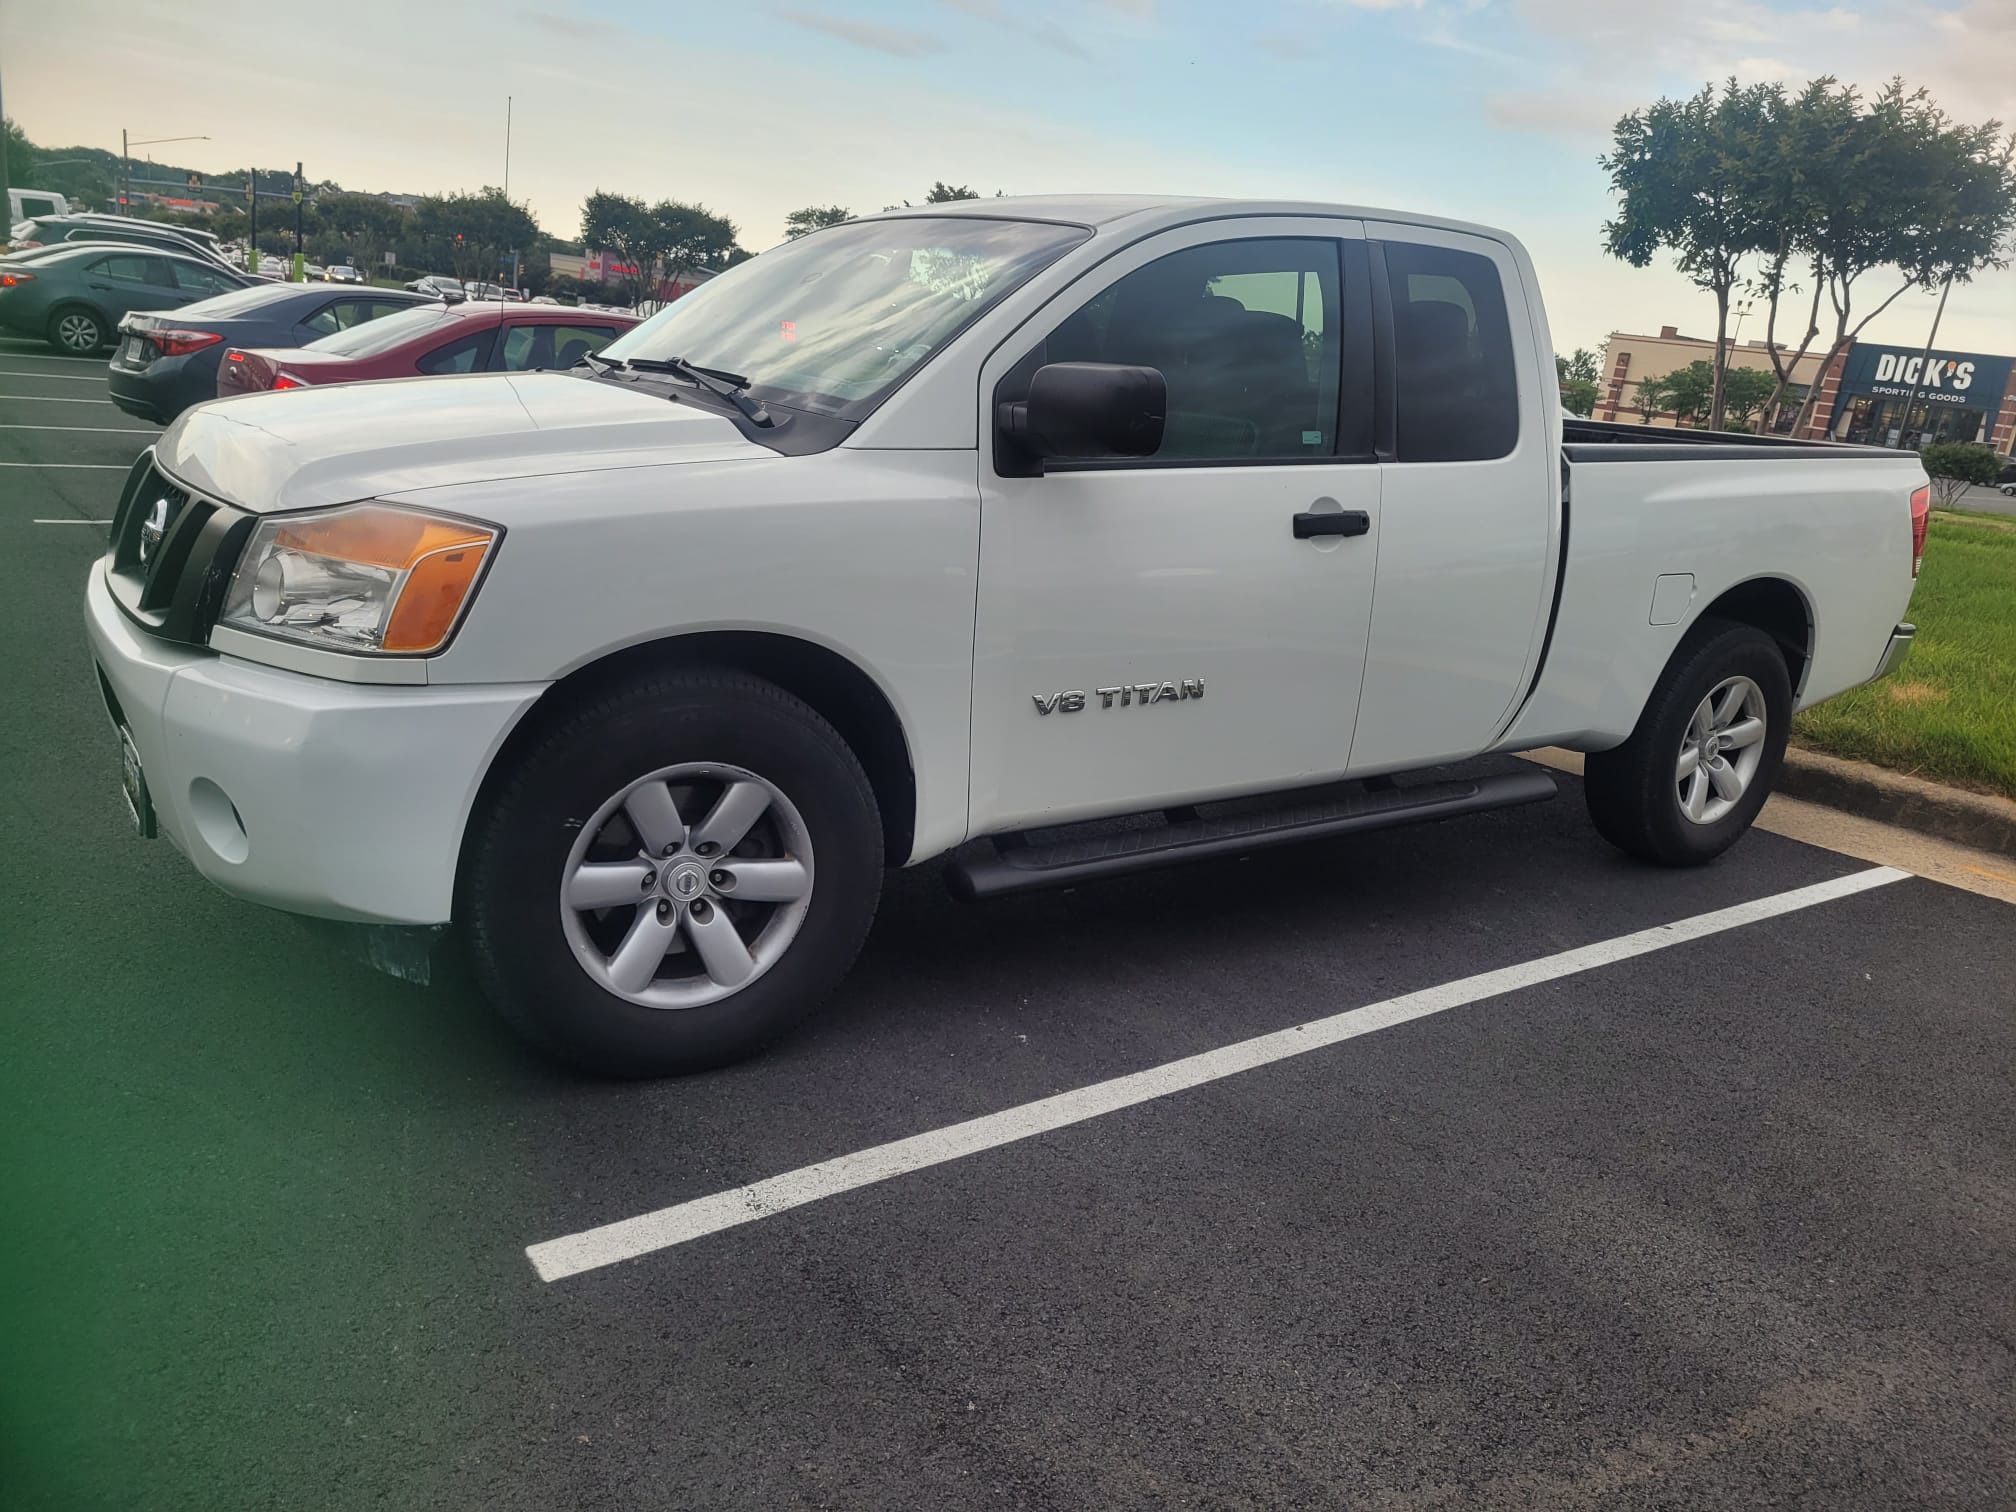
(1952, 396)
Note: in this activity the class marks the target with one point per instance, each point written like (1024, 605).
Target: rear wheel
(671, 876)
(77, 330)
(1693, 775)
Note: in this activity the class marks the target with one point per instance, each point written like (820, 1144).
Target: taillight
(173, 343)
(287, 380)
(1921, 518)
(13, 280)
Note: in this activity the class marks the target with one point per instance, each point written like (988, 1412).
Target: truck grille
(172, 554)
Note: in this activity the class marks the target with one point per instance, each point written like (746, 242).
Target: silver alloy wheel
(1721, 750)
(79, 333)
(668, 913)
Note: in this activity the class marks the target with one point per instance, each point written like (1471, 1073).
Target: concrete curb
(1971, 819)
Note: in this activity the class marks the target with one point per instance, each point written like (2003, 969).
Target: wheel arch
(1780, 608)
(836, 687)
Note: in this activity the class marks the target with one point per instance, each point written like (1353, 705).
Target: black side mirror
(1086, 411)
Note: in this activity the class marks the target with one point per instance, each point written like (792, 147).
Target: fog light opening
(218, 823)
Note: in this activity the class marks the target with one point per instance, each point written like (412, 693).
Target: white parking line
(591, 1249)
(82, 466)
(45, 399)
(70, 522)
(96, 430)
(13, 356)
(50, 377)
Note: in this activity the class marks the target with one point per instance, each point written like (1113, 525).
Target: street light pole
(507, 147)
(126, 161)
(1924, 361)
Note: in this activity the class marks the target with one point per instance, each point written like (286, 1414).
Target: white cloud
(895, 41)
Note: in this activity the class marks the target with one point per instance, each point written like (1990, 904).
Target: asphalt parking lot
(1713, 1206)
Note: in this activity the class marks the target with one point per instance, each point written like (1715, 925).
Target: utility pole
(1924, 361)
(5, 198)
(125, 170)
(507, 147)
(300, 275)
(252, 212)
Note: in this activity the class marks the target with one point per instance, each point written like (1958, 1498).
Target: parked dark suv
(167, 361)
(47, 230)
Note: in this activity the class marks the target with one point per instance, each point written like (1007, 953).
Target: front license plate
(133, 784)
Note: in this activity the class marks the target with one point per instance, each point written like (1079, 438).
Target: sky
(1483, 110)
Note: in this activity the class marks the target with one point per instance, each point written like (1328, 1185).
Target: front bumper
(1900, 642)
(341, 800)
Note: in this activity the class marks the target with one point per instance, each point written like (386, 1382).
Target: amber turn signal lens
(441, 560)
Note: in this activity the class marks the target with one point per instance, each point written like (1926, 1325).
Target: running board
(1019, 867)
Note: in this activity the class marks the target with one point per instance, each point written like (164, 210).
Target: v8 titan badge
(1072, 701)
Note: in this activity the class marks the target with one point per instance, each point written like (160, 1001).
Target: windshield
(382, 334)
(833, 321)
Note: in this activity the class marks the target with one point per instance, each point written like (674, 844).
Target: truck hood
(309, 447)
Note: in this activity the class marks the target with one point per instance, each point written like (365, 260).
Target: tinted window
(342, 314)
(201, 281)
(1456, 396)
(1245, 333)
(135, 267)
(463, 356)
(378, 336)
(540, 347)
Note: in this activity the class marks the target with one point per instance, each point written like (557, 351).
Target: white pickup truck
(981, 522)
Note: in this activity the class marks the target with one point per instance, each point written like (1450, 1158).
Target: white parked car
(970, 521)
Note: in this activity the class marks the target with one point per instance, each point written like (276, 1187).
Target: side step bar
(1068, 862)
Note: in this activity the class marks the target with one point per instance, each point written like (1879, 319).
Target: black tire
(1632, 791)
(65, 330)
(509, 906)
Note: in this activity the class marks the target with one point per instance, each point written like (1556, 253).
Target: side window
(135, 267)
(525, 346)
(1456, 393)
(1246, 334)
(572, 343)
(341, 314)
(463, 355)
(201, 281)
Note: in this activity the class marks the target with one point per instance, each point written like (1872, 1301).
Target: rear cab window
(1456, 387)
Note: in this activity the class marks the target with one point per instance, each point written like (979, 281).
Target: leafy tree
(690, 236)
(488, 226)
(943, 193)
(1648, 397)
(1578, 396)
(1955, 465)
(1683, 169)
(617, 224)
(1690, 393)
(1745, 391)
(1584, 366)
(814, 218)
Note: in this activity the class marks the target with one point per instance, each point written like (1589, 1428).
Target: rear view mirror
(1085, 411)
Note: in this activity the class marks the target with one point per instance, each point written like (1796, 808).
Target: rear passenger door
(1469, 496)
(137, 280)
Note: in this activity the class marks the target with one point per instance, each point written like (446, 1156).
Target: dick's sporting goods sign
(1958, 378)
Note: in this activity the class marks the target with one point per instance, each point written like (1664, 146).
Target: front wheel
(1701, 762)
(672, 874)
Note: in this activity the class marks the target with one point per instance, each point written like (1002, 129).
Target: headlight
(366, 577)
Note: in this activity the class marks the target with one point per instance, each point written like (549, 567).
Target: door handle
(1336, 522)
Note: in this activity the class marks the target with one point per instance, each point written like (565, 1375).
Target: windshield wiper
(730, 386)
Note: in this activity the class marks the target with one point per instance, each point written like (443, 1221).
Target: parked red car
(429, 340)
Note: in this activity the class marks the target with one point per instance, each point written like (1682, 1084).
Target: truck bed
(1622, 441)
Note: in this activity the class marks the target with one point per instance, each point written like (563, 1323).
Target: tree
(1577, 378)
(615, 223)
(814, 218)
(477, 231)
(1648, 398)
(690, 236)
(1931, 200)
(943, 193)
(1956, 465)
(1744, 393)
(1689, 392)
(1683, 170)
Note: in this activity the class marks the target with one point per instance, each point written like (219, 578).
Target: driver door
(1162, 630)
